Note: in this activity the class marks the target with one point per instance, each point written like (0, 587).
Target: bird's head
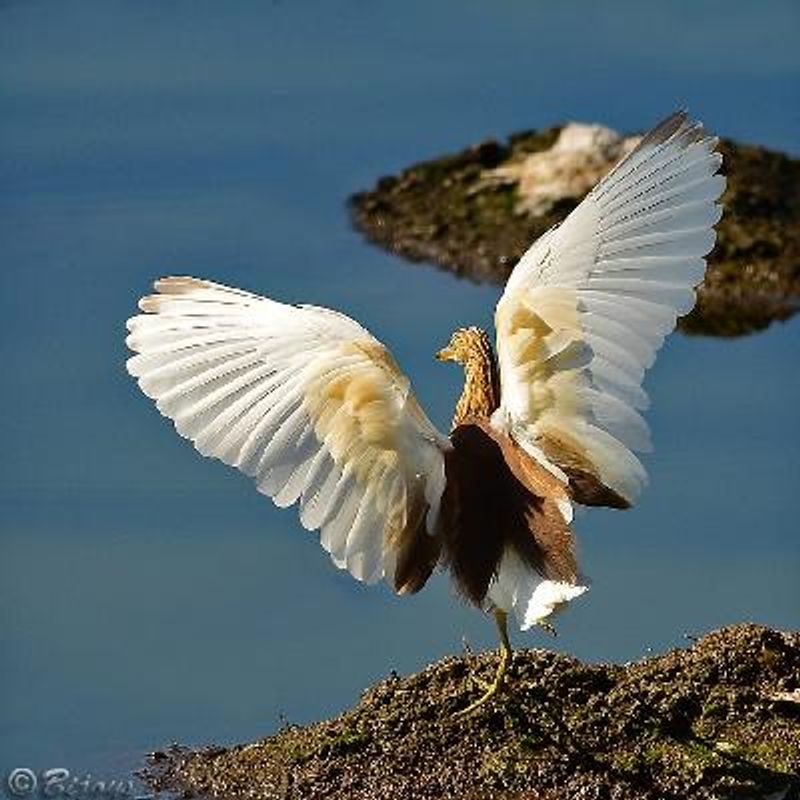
(466, 345)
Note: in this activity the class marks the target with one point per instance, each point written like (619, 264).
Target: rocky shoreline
(448, 212)
(719, 719)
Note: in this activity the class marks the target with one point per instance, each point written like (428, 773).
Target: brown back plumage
(496, 495)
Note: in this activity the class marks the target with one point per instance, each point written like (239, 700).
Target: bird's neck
(481, 394)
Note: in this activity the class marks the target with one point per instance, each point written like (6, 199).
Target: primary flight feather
(316, 410)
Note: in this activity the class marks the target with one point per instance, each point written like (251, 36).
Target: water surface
(149, 595)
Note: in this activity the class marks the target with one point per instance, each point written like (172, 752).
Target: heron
(317, 411)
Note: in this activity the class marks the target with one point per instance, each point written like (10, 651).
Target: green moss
(626, 761)
(350, 740)
(293, 749)
(779, 756)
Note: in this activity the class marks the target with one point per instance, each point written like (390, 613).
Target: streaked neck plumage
(481, 394)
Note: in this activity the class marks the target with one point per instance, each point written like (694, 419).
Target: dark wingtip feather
(676, 126)
(665, 129)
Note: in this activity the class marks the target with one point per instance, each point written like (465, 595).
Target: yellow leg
(490, 690)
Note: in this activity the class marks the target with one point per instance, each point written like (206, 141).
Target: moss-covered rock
(715, 720)
(444, 211)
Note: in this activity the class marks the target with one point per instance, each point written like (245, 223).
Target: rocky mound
(471, 213)
(720, 719)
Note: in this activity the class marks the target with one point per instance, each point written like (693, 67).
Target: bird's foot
(492, 689)
(484, 686)
(546, 626)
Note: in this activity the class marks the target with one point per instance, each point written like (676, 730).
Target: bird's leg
(491, 689)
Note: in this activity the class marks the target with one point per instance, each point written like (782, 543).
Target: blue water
(149, 595)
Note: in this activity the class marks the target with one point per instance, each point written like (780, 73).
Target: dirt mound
(719, 719)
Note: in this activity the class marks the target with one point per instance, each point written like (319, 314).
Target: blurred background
(148, 595)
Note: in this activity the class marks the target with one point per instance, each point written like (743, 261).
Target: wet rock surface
(450, 212)
(719, 719)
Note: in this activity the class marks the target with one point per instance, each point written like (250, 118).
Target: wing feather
(605, 288)
(306, 402)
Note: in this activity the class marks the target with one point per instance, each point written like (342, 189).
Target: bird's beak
(445, 354)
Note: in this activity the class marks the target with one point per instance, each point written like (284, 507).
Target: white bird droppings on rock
(580, 157)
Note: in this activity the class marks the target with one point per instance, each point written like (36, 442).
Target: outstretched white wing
(588, 306)
(309, 404)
